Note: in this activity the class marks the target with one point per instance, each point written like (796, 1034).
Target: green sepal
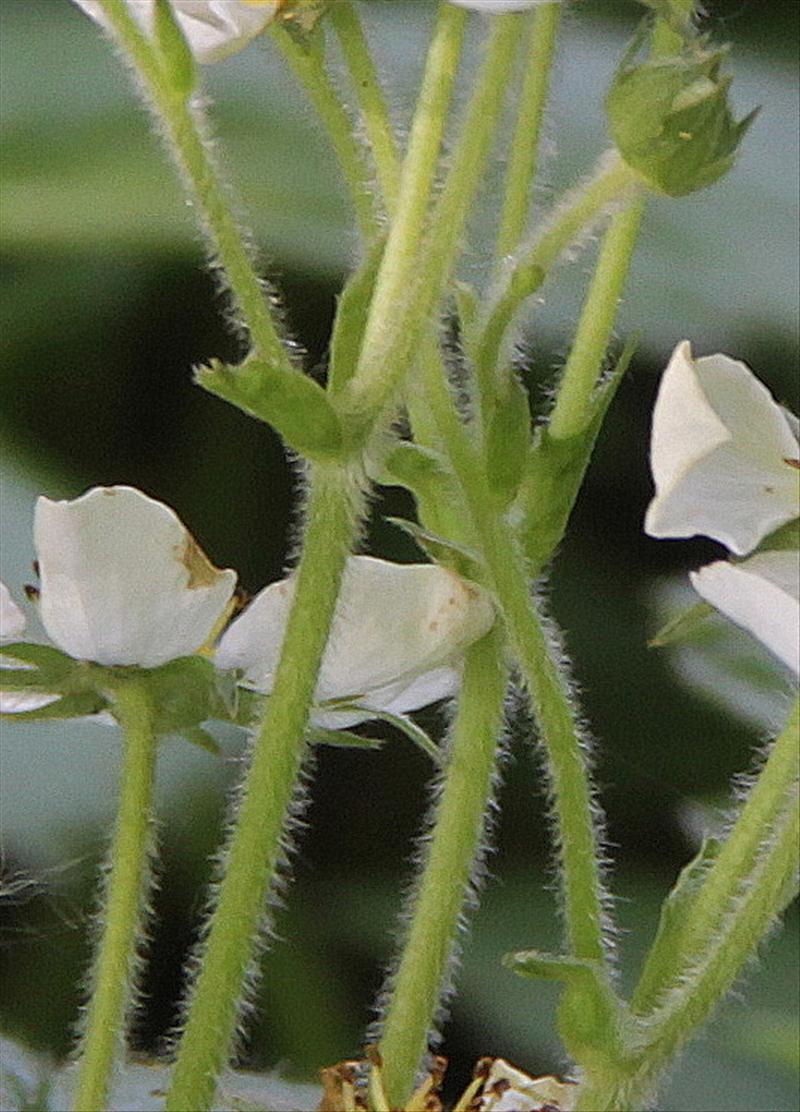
(294, 404)
(341, 739)
(683, 626)
(183, 693)
(423, 471)
(508, 439)
(196, 735)
(786, 538)
(351, 319)
(81, 704)
(400, 722)
(555, 470)
(664, 955)
(671, 121)
(591, 1018)
(49, 664)
(456, 557)
(174, 50)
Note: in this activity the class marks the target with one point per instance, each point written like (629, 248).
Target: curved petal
(12, 619)
(721, 454)
(761, 594)
(394, 624)
(123, 581)
(213, 28)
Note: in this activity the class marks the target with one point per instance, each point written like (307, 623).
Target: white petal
(213, 28)
(719, 451)
(15, 702)
(498, 7)
(508, 1089)
(12, 620)
(123, 581)
(397, 698)
(395, 625)
(762, 594)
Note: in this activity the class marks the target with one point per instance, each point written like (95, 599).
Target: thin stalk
(573, 407)
(417, 178)
(124, 903)
(399, 322)
(723, 882)
(524, 151)
(182, 124)
(579, 210)
(575, 808)
(371, 100)
(254, 848)
(308, 65)
(448, 871)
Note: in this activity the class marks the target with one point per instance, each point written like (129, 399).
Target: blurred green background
(106, 305)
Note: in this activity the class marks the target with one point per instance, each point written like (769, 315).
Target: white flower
(762, 594)
(724, 457)
(122, 580)
(395, 645)
(12, 620)
(723, 454)
(213, 28)
(498, 7)
(508, 1089)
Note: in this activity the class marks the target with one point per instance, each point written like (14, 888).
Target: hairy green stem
(449, 867)
(573, 407)
(524, 152)
(574, 806)
(255, 844)
(124, 902)
(722, 885)
(578, 211)
(182, 124)
(372, 102)
(401, 320)
(308, 64)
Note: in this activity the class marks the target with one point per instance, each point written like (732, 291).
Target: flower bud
(671, 120)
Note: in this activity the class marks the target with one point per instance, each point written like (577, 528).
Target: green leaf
(591, 1018)
(341, 739)
(508, 439)
(351, 319)
(294, 404)
(176, 55)
(661, 962)
(683, 626)
(458, 558)
(555, 470)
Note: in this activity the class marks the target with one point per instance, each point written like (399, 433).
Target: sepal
(294, 404)
(508, 439)
(458, 558)
(400, 722)
(683, 627)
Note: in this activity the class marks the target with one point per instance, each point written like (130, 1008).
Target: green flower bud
(671, 120)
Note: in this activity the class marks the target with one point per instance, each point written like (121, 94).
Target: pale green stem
(183, 128)
(399, 322)
(308, 65)
(372, 102)
(524, 151)
(573, 408)
(255, 845)
(573, 802)
(723, 882)
(408, 224)
(124, 903)
(578, 211)
(455, 844)
(764, 895)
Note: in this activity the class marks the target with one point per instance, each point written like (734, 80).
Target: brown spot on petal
(202, 572)
(31, 592)
(793, 463)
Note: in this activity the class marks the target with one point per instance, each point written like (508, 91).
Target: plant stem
(576, 810)
(449, 868)
(256, 841)
(400, 319)
(308, 65)
(729, 872)
(573, 408)
(124, 903)
(524, 151)
(526, 272)
(372, 102)
(182, 124)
